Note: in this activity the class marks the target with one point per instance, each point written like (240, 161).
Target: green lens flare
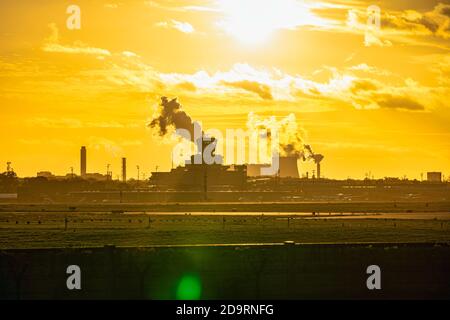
(189, 288)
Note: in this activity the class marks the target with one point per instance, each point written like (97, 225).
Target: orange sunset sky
(376, 104)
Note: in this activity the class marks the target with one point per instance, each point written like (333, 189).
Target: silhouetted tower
(317, 159)
(108, 172)
(124, 169)
(83, 161)
(314, 156)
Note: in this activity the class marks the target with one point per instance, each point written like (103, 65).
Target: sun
(254, 21)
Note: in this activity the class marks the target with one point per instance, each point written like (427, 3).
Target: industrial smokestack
(83, 161)
(317, 159)
(288, 167)
(318, 170)
(124, 169)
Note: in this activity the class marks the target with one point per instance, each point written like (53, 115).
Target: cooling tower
(288, 167)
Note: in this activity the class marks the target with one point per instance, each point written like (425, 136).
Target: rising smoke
(171, 116)
(290, 135)
(317, 158)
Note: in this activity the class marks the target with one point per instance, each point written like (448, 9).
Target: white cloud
(111, 5)
(129, 54)
(52, 44)
(184, 27)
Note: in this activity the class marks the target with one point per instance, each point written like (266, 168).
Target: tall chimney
(83, 161)
(317, 159)
(318, 170)
(124, 169)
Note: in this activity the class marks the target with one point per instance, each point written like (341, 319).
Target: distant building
(434, 176)
(45, 174)
(255, 170)
(199, 176)
(96, 176)
(50, 176)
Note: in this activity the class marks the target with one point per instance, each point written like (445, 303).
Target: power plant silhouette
(196, 173)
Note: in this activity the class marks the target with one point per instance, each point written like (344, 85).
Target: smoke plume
(290, 135)
(171, 115)
(317, 158)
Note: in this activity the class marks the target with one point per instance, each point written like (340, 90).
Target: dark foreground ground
(146, 252)
(276, 271)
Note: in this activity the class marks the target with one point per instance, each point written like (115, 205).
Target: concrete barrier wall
(284, 271)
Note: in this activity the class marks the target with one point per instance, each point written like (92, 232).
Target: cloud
(363, 67)
(180, 8)
(71, 123)
(440, 64)
(357, 22)
(406, 26)
(445, 10)
(398, 102)
(58, 143)
(261, 90)
(412, 27)
(365, 147)
(199, 9)
(79, 48)
(129, 54)
(187, 86)
(51, 44)
(361, 86)
(111, 5)
(114, 148)
(435, 22)
(184, 27)
(100, 143)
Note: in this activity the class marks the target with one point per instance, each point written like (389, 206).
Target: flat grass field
(49, 227)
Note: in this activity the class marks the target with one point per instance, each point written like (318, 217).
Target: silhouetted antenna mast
(138, 173)
(8, 167)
